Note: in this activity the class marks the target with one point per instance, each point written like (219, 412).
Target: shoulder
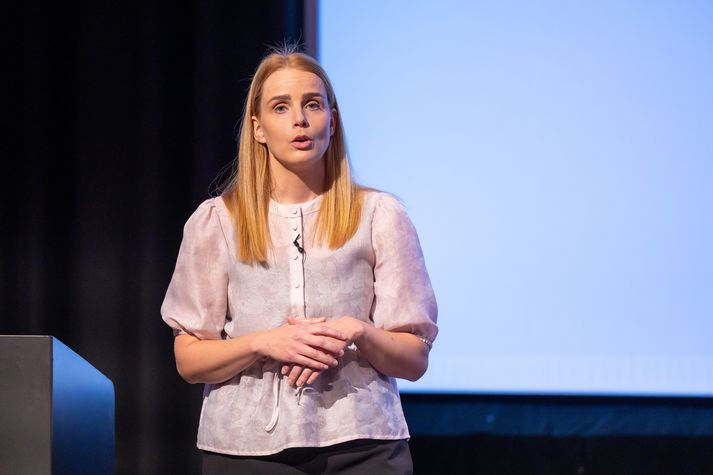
(382, 206)
(212, 208)
(377, 199)
(210, 218)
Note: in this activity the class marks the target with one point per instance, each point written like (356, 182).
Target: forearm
(397, 354)
(214, 361)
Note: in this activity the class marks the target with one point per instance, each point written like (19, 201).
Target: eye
(279, 108)
(314, 106)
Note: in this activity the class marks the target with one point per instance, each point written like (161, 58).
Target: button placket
(296, 264)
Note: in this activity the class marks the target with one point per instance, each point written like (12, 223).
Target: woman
(298, 296)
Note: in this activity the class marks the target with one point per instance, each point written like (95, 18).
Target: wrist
(361, 331)
(258, 343)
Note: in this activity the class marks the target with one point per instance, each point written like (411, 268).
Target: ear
(257, 130)
(333, 122)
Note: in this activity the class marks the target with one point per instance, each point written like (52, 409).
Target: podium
(56, 410)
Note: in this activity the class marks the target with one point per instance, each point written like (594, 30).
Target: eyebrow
(306, 95)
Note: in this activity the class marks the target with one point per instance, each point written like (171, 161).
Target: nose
(300, 119)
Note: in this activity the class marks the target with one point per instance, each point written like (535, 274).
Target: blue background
(557, 160)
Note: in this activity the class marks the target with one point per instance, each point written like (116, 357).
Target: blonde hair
(247, 193)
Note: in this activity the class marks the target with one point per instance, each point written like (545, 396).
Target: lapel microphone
(300, 249)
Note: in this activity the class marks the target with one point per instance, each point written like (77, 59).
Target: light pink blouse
(379, 276)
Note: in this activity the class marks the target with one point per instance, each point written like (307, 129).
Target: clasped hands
(309, 346)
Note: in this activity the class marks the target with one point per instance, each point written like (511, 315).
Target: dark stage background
(118, 117)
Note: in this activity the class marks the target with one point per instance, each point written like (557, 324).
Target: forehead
(291, 82)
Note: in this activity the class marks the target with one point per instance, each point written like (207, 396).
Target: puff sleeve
(403, 297)
(196, 301)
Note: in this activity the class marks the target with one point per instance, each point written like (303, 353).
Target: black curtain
(118, 116)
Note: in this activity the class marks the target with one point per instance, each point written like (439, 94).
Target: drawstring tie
(276, 405)
(276, 384)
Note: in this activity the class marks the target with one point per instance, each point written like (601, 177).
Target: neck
(291, 186)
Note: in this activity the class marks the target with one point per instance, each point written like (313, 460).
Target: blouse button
(293, 211)
(294, 228)
(297, 286)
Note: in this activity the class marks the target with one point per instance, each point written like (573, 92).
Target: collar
(293, 210)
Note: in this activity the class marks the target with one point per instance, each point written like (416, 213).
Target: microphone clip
(300, 249)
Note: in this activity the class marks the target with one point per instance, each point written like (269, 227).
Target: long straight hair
(247, 193)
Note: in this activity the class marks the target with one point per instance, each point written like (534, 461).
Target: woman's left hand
(349, 326)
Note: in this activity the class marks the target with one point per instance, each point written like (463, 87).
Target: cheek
(271, 132)
(327, 127)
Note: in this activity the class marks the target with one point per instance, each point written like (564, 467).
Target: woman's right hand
(311, 346)
(300, 376)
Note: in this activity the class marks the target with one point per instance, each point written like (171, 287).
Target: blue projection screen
(557, 160)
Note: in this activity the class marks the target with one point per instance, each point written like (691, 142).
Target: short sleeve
(403, 296)
(196, 301)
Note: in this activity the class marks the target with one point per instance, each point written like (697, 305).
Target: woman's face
(295, 121)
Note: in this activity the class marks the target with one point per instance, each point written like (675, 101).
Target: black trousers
(356, 457)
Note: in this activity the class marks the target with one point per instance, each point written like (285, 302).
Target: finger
(325, 330)
(285, 369)
(313, 363)
(300, 320)
(327, 344)
(318, 355)
(294, 375)
(313, 377)
(304, 376)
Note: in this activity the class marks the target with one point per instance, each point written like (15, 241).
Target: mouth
(302, 142)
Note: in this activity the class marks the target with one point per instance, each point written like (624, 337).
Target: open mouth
(302, 142)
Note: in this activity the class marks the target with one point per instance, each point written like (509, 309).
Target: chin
(301, 162)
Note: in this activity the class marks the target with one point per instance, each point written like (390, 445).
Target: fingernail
(341, 352)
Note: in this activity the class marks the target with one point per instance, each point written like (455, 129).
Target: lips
(302, 142)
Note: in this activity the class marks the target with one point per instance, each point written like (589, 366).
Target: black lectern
(56, 410)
